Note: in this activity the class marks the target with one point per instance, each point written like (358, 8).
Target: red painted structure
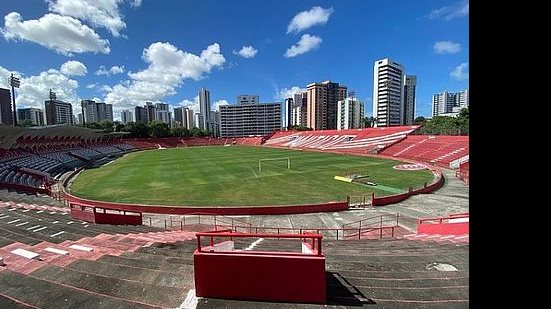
(391, 199)
(260, 275)
(105, 216)
(454, 224)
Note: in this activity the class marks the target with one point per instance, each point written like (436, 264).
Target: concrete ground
(453, 197)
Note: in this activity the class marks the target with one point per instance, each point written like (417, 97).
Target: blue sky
(125, 52)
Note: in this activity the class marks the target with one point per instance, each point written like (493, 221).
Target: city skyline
(302, 43)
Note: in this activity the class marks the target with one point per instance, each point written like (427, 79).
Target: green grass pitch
(229, 176)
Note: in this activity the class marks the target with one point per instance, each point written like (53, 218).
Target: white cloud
(446, 47)
(461, 71)
(167, 68)
(217, 104)
(34, 90)
(112, 71)
(135, 3)
(63, 34)
(91, 86)
(191, 104)
(73, 68)
(246, 52)
(447, 13)
(99, 13)
(306, 19)
(285, 93)
(307, 43)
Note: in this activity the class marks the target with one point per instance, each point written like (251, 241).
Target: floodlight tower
(14, 83)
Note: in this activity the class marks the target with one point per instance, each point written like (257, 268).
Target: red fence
(455, 224)
(391, 199)
(105, 216)
(260, 275)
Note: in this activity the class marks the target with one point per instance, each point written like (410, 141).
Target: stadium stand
(434, 149)
(367, 140)
(31, 158)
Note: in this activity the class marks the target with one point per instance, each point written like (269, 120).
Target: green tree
(180, 132)
(25, 123)
(159, 129)
(419, 120)
(106, 125)
(118, 126)
(137, 129)
(196, 132)
(92, 125)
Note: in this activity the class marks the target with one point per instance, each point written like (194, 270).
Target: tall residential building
(350, 113)
(162, 113)
(190, 119)
(58, 112)
(80, 119)
(410, 85)
(321, 103)
(215, 123)
(288, 113)
(183, 117)
(449, 103)
(242, 120)
(96, 111)
(204, 108)
(151, 111)
(388, 93)
(126, 116)
(247, 99)
(141, 114)
(299, 109)
(180, 119)
(35, 115)
(6, 115)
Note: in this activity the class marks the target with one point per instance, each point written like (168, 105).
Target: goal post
(274, 159)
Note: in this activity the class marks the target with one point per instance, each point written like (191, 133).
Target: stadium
(372, 217)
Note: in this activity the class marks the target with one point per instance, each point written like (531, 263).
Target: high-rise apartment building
(141, 114)
(321, 103)
(449, 103)
(388, 93)
(58, 112)
(204, 108)
(96, 111)
(6, 114)
(410, 84)
(299, 109)
(350, 114)
(162, 113)
(183, 117)
(247, 99)
(126, 116)
(242, 120)
(34, 115)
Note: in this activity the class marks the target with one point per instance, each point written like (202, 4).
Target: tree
(196, 132)
(159, 129)
(118, 126)
(180, 132)
(369, 122)
(106, 126)
(419, 120)
(137, 129)
(25, 123)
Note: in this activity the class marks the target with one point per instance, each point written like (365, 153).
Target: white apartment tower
(449, 103)
(388, 93)
(126, 116)
(350, 113)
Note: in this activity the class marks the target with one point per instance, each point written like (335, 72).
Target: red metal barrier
(260, 275)
(105, 216)
(455, 224)
(390, 199)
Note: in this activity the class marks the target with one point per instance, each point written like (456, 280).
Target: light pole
(14, 83)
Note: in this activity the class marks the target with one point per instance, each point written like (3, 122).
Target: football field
(230, 176)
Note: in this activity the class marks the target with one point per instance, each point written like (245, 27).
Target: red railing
(440, 220)
(218, 221)
(315, 244)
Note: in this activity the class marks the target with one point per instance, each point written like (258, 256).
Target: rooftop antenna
(53, 96)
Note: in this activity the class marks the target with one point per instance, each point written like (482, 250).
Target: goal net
(287, 159)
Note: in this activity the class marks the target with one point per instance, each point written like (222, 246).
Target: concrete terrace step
(47, 294)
